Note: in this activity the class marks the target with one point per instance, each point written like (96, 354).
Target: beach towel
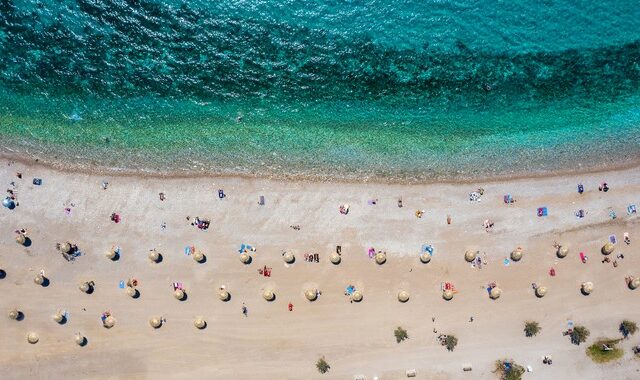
(428, 248)
(371, 252)
(506, 262)
(612, 214)
(612, 239)
(542, 211)
(121, 285)
(583, 257)
(631, 209)
(188, 250)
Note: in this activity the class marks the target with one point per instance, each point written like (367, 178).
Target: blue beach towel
(612, 239)
(427, 248)
(121, 285)
(506, 262)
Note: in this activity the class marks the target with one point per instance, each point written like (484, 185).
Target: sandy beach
(272, 342)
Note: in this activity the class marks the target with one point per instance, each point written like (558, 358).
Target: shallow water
(408, 90)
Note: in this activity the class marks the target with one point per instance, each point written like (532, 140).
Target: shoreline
(91, 169)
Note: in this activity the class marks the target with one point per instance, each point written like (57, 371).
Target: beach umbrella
(8, 203)
(14, 314)
(109, 322)
(111, 254)
(495, 293)
(517, 254)
(607, 249)
(179, 294)
(132, 292)
(33, 338)
(80, 339)
(381, 258)
(288, 257)
(39, 279)
(21, 239)
(425, 257)
(562, 252)
(224, 295)
(470, 255)
(245, 258)
(154, 256)
(200, 323)
(58, 317)
(268, 295)
(587, 287)
(403, 296)
(155, 322)
(335, 258)
(311, 294)
(198, 256)
(357, 296)
(65, 247)
(447, 294)
(634, 283)
(541, 291)
(85, 287)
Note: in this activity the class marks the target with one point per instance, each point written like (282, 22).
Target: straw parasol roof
(155, 322)
(311, 294)
(470, 255)
(111, 254)
(80, 339)
(425, 257)
(245, 258)
(357, 296)
(268, 295)
(562, 252)
(381, 258)
(403, 296)
(335, 258)
(58, 317)
(109, 322)
(541, 291)
(154, 256)
(447, 294)
(39, 279)
(634, 283)
(85, 287)
(179, 294)
(198, 256)
(224, 295)
(288, 257)
(21, 239)
(200, 323)
(131, 291)
(65, 247)
(495, 293)
(13, 314)
(516, 255)
(587, 287)
(608, 248)
(33, 338)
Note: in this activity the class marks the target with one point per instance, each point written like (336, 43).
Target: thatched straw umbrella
(311, 294)
(381, 258)
(470, 255)
(541, 290)
(403, 296)
(14, 314)
(132, 292)
(198, 256)
(111, 254)
(357, 296)
(587, 288)
(80, 339)
(288, 257)
(109, 322)
(154, 256)
(85, 287)
(179, 294)
(516, 255)
(245, 258)
(495, 293)
(200, 323)
(634, 283)
(425, 257)
(608, 248)
(562, 252)
(335, 258)
(65, 247)
(447, 294)
(155, 322)
(21, 239)
(58, 317)
(268, 295)
(39, 279)
(224, 295)
(33, 338)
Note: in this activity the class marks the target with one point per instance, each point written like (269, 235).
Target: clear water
(407, 90)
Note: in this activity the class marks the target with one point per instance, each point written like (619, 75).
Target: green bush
(401, 334)
(450, 342)
(628, 328)
(509, 370)
(322, 365)
(531, 328)
(579, 335)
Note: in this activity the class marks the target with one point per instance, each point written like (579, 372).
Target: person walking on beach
(245, 311)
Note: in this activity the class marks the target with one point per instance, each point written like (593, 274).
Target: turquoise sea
(403, 90)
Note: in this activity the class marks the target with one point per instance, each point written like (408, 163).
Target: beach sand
(355, 338)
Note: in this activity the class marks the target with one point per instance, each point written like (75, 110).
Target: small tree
(531, 328)
(509, 370)
(401, 334)
(322, 365)
(450, 342)
(579, 335)
(628, 328)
